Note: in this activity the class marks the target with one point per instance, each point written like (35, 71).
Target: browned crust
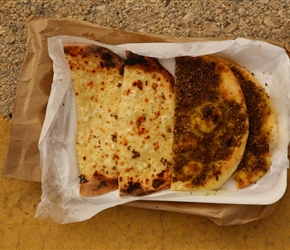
(149, 65)
(98, 184)
(256, 160)
(210, 157)
(160, 182)
(107, 58)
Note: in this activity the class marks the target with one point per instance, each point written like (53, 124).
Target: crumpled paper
(60, 200)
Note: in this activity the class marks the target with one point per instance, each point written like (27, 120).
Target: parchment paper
(34, 86)
(270, 64)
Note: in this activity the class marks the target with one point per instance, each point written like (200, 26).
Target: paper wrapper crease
(34, 88)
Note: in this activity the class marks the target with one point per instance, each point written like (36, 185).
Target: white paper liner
(60, 198)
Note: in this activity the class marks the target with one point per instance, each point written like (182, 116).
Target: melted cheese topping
(96, 82)
(145, 129)
(97, 122)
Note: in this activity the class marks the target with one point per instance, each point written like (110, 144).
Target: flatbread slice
(145, 127)
(257, 157)
(211, 124)
(96, 76)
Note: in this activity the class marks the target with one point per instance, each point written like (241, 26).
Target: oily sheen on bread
(145, 127)
(257, 157)
(96, 77)
(211, 124)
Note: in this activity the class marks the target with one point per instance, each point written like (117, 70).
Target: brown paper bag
(34, 84)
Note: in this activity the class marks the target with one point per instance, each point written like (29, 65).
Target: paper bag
(31, 99)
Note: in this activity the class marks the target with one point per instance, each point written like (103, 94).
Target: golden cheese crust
(257, 157)
(211, 124)
(96, 77)
(145, 123)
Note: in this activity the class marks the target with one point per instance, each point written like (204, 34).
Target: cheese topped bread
(96, 77)
(145, 127)
(211, 124)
